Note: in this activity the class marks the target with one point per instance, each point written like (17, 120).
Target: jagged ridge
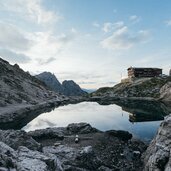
(68, 87)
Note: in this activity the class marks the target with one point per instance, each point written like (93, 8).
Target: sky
(92, 42)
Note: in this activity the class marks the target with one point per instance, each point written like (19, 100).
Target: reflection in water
(140, 118)
(41, 123)
(141, 111)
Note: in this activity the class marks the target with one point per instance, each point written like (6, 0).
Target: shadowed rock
(14, 139)
(123, 135)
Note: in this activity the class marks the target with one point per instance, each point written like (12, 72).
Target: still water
(141, 120)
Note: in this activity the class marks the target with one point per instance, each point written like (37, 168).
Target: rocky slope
(145, 88)
(54, 149)
(72, 89)
(17, 86)
(68, 88)
(158, 155)
(22, 95)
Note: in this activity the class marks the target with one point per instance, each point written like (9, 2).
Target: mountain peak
(68, 87)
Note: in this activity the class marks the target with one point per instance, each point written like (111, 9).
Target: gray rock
(165, 92)
(123, 135)
(48, 133)
(104, 168)
(81, 128)
(60, 132)
(72, 89)
(141, 89)
(24, 159)
(16, 138)
(19, 87)
(51, 81)
(7, 156)
(74, 158)
(34, 161)
(158, 154)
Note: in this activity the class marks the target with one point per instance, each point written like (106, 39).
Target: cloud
(168, 22)
(13, 56)
(31, 10)
(124, 39)
(95, 24)
(13, 38)
(47, 46)
(108, 27)
(46, 61)
(134, 18)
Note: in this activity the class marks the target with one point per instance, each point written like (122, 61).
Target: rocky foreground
(54, 149)
(158, 155)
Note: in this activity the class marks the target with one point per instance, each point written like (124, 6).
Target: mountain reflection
(142, 111)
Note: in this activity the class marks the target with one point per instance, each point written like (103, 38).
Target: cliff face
(165, 92)
(51, 81)
(152, 88)
(17, 86)
(68, 88)
(158, 154)
(72, 89)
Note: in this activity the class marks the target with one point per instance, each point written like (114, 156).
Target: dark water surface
(142, 119)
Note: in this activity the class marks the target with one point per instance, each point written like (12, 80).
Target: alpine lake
(141, 118)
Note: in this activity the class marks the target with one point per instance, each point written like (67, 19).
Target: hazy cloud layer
(96, 24)
(46, 61)
(134, 18)
(124, 39)
(13, 56)
(47, 45)
(31, 10)
(168, 22)
(13, 38)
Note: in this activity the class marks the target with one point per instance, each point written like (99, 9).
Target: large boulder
(7, 156)
(60, 132)
(74, 158)
(34, 161)
(123, 135)
(48, 133)
(24, 159)
(158, 154)
(81, 128)
(16, 138)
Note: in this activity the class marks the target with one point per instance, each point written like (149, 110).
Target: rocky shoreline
(17, 116)
(54, 149)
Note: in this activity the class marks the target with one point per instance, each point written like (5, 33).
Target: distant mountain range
(68, 87)
(89, 90)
